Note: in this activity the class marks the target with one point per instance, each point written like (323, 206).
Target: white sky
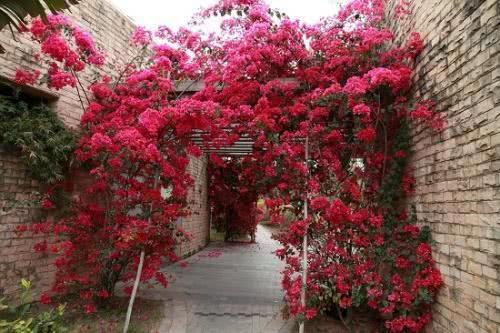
(176, 13)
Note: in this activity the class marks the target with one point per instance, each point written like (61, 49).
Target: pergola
(242, 147)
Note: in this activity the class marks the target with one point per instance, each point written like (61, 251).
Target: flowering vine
(343, 84)
(135, 145)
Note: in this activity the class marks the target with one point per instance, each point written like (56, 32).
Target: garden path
(227, 287)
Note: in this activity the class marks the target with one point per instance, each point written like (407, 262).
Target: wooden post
(304, 243)
(139, 269)
(134, 292)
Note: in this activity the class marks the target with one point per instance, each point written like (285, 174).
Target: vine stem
(80, 99)
(83, 89)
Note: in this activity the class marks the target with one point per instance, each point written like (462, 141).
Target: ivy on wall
(33, 130)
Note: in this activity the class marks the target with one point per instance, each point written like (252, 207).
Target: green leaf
(45, 144)
(26, 284)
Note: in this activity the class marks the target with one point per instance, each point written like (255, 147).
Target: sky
(177, 13)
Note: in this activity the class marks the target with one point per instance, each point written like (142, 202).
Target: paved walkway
(226, 288)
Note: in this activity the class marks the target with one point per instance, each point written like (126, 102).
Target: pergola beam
(242, 147)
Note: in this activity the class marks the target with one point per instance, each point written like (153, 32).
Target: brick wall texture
(197, 223)
(457, 171)
(111, 30)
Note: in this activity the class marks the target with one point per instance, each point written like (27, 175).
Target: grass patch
(146, 317)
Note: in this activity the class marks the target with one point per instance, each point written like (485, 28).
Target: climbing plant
(341, 90)
(329, 109)
(45, 144)
(233, 211)
(135, 144)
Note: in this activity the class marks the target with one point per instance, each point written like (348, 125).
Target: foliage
(341, 85)
(15, 12)
(234, 212)
(43, 140)
(22, 318)
(136, 143)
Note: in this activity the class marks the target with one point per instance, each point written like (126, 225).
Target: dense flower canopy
(341, 85)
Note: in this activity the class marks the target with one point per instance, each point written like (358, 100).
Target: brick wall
(196, 224)
(17, 260)
(111, 30)
(457, 171)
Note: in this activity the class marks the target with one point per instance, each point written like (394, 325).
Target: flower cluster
(67, 50)
(233, 201)
(136, 145)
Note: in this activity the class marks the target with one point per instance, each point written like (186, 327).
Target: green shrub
(33, 129)
(23, 319)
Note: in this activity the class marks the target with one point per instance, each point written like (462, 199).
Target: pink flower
(415, 45)
(402, 262)
(424, 111)
(376, 221)
(335, 136)
(424, 253)
(151, 120)
(41, 246)
(83, 40)
(72, 61)
(45, 299)
(367, 135)
(259, 12)
(335, 88)
(89, 308)
(47, 204)
(25, 77)
(58, 79)
(163, 63)
(151, 153)
(60, 20)
(141, 37)
(311, 313)
(374, 36)
(412, 230)
(355, 86)
(56, 47)
(345, 302)
(381, 75)
(361, 110)
(37, 28)
(100, 141)
(129, 137)
(320, 203)
(96, 58)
